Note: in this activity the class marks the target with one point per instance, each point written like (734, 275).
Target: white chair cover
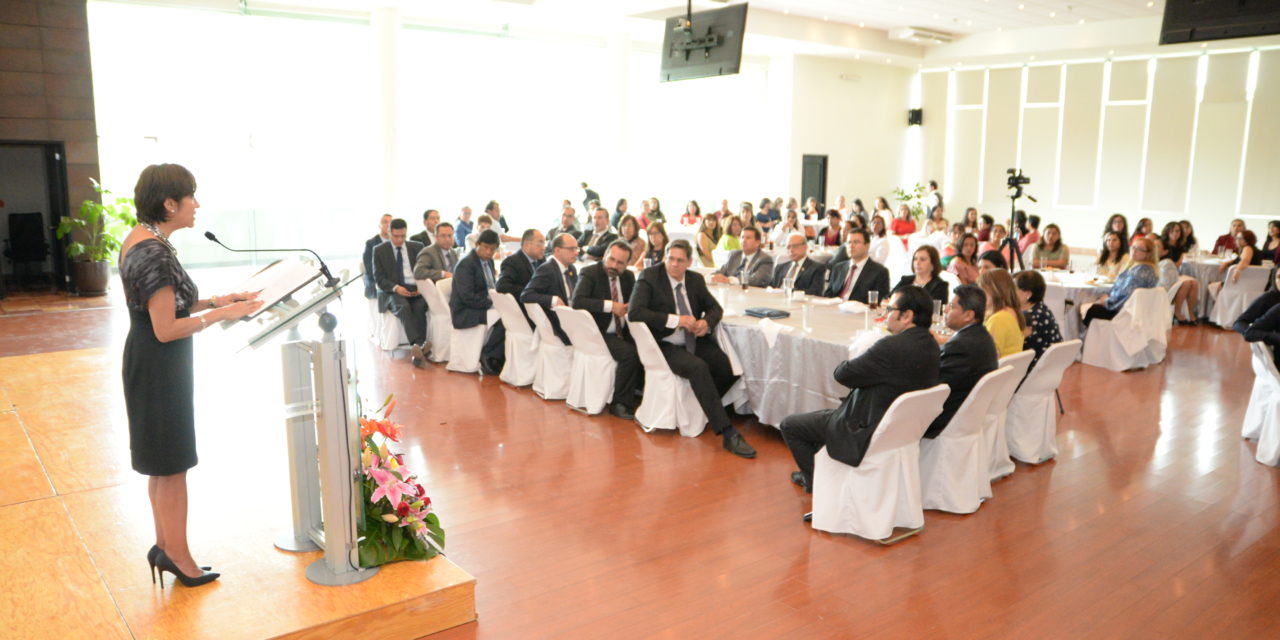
(668, 401)
(521, 343)
(718, 256)
(391, 335)
(1136, 338)
(953, 466)
(375, 319)
(1032, 423)
(1262, 417)
(883, 491)
(439, 319)
(951, 279)
(993, 431)
(465, 345)
(591, 376)
(1055, 297)
(898, 261)
(555, 358)
(1234, 297)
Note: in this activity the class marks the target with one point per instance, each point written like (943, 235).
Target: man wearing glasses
(905, 361)
(805, 273)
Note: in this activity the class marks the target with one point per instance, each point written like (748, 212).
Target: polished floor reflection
(1154, 520)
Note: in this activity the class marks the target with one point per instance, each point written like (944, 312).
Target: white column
(385, 22)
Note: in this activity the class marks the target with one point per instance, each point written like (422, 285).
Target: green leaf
(397, 536)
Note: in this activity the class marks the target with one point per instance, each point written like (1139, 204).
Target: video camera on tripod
(1015, 182)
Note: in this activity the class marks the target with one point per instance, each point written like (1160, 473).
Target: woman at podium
(165, 311)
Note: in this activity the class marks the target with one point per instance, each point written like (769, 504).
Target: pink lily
(389, 486)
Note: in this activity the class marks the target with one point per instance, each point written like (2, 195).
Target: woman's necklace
(156, 232)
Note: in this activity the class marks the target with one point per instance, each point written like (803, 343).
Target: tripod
(1015, 232)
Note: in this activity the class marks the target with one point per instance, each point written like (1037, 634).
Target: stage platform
(75, 524)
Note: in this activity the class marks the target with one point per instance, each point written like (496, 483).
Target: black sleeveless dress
(158, 377)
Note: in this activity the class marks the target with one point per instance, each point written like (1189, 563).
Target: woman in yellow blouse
(1004, 316)
(708, 236)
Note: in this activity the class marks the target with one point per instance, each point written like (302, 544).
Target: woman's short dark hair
(934, 259)
(915, 300)
(994, 257)
(1032, 282)
(157, 183)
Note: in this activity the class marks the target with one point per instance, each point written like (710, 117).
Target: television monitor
(712, 46)
(1198, 20)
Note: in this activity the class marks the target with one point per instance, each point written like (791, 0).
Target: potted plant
(95, 236)
(913, 198)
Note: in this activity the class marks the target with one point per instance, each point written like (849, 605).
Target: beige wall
(46, 85)
(856, 114)
(1134, 136)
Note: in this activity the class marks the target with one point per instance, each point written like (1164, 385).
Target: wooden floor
(1154, 521)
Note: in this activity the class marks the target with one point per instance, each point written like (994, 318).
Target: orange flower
(390, 407)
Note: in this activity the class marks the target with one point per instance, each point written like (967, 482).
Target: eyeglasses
(887, 309)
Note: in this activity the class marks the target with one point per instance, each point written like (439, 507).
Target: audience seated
(1049, 252)
(692, 214)
(1141, 274)
(967, 355)
(965, 262)
(1260, 322)
(469, 303)
(629, 232)
(748, 263)
(1044, 327)
(384, 234)
(568, 224)
(1004, 319)
(1187, 298)
(397, 292)
(853, 278)
(1112, 257)
(730, 240)
(682, 314)
(593, 241)
(906, 360)
(1246, 249)
(438, 260)
(553, 282)
(1227, 241)
(925, 267)
(517, 268)
(830, 236)
(462, 228)
(656, 240)
(430, 218)
(991, 260)
(1030, 232)
(708, 238)
(603, 289)
(808, 274)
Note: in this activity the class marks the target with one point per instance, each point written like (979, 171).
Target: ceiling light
(1053, 14)
(786, 12)
(862, 24)
(935, 16)
(1151, 4)
(1081, 21)
(857, 56)
(1033, 57)
(1111, 52)
(888, 60)
(1021, 7)
(826, 19)
(968, 23)
(920, 34)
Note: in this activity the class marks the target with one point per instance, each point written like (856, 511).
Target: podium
(320, 416)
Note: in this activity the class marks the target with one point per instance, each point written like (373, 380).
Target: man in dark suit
(518, 268)
(469, 303)
(430, 219)
(384, 233)
(749, 263)
(1260, 322)
(682, 314)
(438, 260)
(968, 355)
(590, 195)
(808, 274)
(604, 289)
(554, 282)
(853, 278)
(594, 240)
(902, 362)
(568, 224)
(397, 292)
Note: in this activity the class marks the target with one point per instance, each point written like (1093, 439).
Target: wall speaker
(915, 117)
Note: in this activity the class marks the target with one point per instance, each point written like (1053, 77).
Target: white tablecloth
(1066, 293)
(795, 374)
(1205, 271)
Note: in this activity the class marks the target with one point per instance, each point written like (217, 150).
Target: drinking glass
(937, 312)
(873, 299)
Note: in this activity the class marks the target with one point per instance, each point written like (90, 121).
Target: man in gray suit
(437, 261)
(397, 291)
(748, 264)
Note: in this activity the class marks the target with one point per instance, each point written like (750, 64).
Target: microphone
(1032, 198)
(330, 281)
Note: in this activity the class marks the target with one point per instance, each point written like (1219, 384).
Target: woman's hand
(1235, 277)
(239, 297)
(236, 310)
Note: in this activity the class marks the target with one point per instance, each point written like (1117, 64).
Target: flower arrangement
(397, 521)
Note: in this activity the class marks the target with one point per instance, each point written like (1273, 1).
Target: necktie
(399, 266)
(848, 282)
(488, 274)
(791, 273)
(448, 260)
(570, 281)
(613, 290)
(742, 268)
(683, 308)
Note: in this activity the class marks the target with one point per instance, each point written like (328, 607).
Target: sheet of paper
(278, 280)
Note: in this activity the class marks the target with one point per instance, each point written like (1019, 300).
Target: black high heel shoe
(151, 560)
(163, 563)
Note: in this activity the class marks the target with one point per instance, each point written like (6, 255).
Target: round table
(1065, 293)
(1206, 271)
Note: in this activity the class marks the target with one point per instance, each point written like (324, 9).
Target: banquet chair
(953, 466)
(951, 279)
(1136, 338)
(720, 257)
(465, 345)
(668, 401)
(439, 319)
(520, 344)
(391, 335)
(1055, 298)
(883, 491)
(592, 373)
(375, 319)
(1234, 297)
(994, 431)
(1262, 417)
(1173, 293)
(555, 358)
(898, 261)
(1031, 426)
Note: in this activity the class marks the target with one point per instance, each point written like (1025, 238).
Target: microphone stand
(329, 282)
